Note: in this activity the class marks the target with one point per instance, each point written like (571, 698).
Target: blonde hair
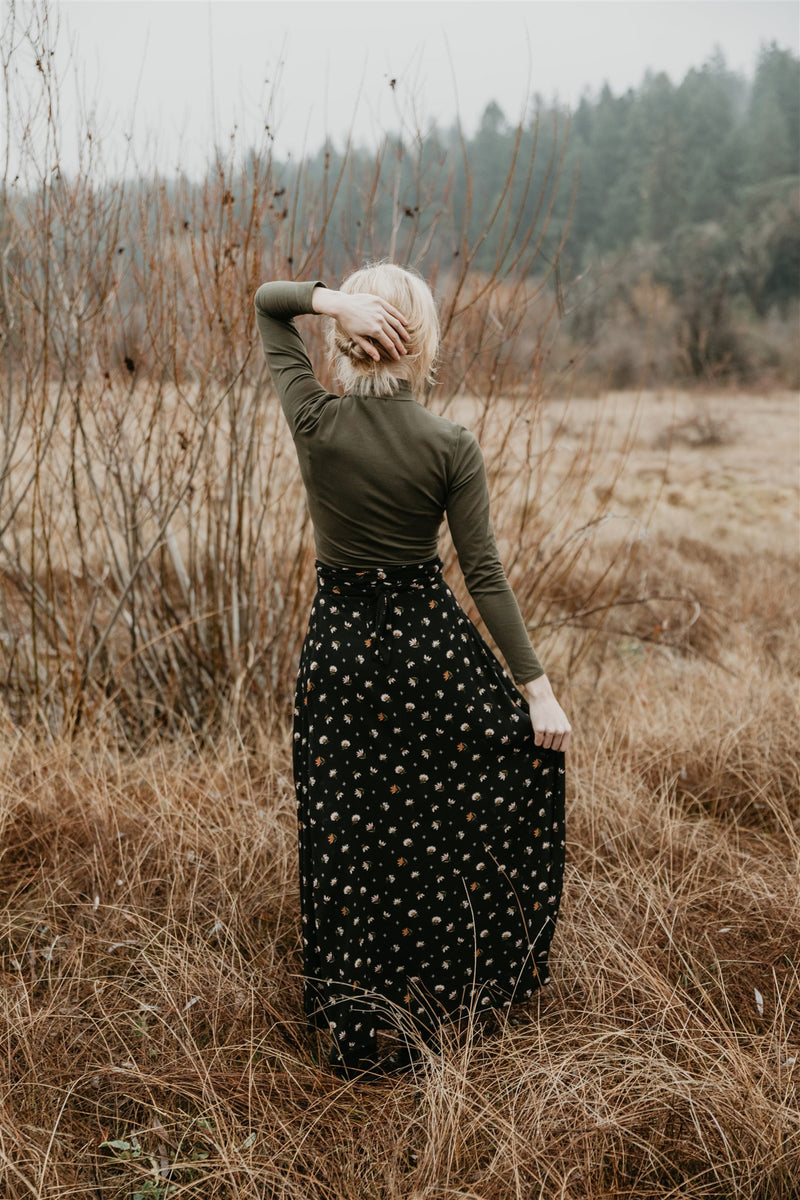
(406, 290)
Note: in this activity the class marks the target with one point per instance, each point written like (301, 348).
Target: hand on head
(375, 325)
(385, 328)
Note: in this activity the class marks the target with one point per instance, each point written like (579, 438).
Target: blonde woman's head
(407, 291)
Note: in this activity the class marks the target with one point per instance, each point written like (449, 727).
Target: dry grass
(151, 945)
(155, 579)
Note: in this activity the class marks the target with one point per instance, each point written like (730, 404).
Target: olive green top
(380, 474)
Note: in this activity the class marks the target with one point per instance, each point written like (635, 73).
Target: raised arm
(299, 390)
(375, 325)
(470, 525)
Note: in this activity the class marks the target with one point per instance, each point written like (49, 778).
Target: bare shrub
(156, 548)
(703, 428)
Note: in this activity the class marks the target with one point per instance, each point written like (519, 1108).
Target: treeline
(692, 190)
(665, 159)
(683, 198)
(651, 237)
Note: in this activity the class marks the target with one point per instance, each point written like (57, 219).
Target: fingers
(366, 345)
(389, 346)
(393, 312)
(392, 332)
(376, 326)
(552, 739)
(551, 729)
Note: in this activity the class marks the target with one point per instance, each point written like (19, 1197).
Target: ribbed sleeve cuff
(526, 676)
(284, 299)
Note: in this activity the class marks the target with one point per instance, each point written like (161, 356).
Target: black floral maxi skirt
(431, 827)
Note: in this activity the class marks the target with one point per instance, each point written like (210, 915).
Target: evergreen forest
(680, 197)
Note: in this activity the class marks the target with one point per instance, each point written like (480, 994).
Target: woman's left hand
(551, 729)
(367, 319)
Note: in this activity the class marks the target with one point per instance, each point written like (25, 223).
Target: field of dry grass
(152, 1035)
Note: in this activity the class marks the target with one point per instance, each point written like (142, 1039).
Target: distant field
(730, 461)
(152, 1039)
(734, 463)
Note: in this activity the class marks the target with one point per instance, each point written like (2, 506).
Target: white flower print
(442, 839)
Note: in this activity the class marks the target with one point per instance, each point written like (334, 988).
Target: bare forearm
(537, 689)
(326, 301)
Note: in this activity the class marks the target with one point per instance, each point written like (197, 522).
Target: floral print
(431, 827)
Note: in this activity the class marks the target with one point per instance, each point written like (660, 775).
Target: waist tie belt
(379, 584)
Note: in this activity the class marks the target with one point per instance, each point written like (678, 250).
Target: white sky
(175, 73)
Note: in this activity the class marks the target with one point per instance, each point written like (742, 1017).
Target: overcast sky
(192, 69)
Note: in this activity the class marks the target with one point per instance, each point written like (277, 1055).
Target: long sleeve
(473, 536)
(299, 391)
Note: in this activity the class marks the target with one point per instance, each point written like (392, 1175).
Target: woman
(430, 789)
